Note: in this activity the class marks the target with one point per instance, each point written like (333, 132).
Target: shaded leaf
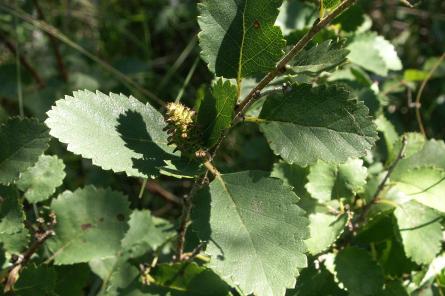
(40, 181)
(255, 231)
(358, 272)
(22, 142)
(322, 57)
(216, 111)
(90, 224)
(326, 123)
(238, 37)
(35, 280)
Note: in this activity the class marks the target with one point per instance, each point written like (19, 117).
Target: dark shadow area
(132, 129)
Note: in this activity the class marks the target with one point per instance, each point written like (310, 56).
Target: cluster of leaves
(339, 210)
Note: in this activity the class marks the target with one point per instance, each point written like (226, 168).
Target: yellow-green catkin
(183, 130)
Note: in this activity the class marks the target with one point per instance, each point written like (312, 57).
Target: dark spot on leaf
(86, 226)
(256, 24)
(120, 217)
(101, 219)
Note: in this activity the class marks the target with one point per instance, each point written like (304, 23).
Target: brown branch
(23, 259)
(282, 64)
(156, 188)
(12, 48)
(361, 218)
(55, 46)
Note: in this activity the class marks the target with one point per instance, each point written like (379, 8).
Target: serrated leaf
(374, 53)
(35, 280)
(326, 123)
(13, 234)
(292, 175)
(420, 230)
(90, 224)
(425, 185)
(389, 133)
(216, 111)
(431, 154)
(145, 233)
(116, 273)
(322, 57)
(116, 132)
(254, 229)
(414, 144)
(22, 142)
(238, 37)
(358, 272)
(40, 181)
(325, 228)
(295, 15)
(330, 181)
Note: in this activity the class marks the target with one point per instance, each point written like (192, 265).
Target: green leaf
(145, 233)
(116, 274)
(374, 53)
(420, 230)
(189, 278)
(90, 224)
(325, 229)
(328, 181)
(71, 280)
(296, 16)
(238, 37)
(316, 282)
(292, 175)
(22, 142)
(389, 133)
(425, 185)
(394, 288)
(357, 271)
(13, 234)
(118, 133)
(431, 154)
(41, 181)
(322, 57)
(254, 229)
(415, 143)
(326, 123)
(35, 280)
(216, 111)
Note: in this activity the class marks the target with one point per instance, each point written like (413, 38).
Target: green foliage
(326, 123)
(238, 208)
(298, 172)
(216, 111)
(358, 272)
(238, 37)
(41, 181)
(87, 218)
(22, 142)
(118, 133)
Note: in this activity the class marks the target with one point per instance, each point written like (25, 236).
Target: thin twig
(282, 64)
(421, 89)
(60, 64)
(187, 79)
(185, 216)
(155, 187)
(23, 259)
(382, 184)
(23, 61)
